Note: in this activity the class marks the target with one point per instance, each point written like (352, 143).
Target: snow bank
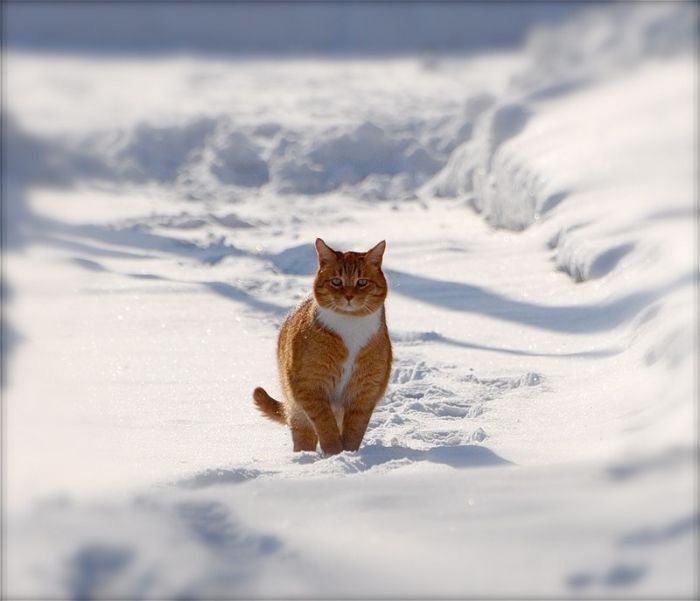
(238, 161)
(212, 152)
(538, 209)
(595, 47)
(347, 158)
(394, 154)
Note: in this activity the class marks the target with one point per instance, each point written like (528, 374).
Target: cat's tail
(268, 406)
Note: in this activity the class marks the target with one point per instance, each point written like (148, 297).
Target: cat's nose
(349, 297)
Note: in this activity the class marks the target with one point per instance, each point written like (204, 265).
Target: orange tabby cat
(334, 354)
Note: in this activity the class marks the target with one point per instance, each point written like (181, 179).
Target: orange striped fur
(334, 354)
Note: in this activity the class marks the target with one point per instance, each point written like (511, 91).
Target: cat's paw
(332, 448)
(351, 445)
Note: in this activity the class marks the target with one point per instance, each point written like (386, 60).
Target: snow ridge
(538, 208)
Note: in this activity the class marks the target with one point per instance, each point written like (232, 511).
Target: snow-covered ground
(539, 434)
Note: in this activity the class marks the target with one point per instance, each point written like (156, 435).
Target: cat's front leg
(318, 408)
(365, 389)
(355, 422)
(326, 427)
(363, 393)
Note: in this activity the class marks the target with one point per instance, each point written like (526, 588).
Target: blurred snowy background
(532, 167)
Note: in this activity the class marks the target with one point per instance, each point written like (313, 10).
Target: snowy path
(537, 436)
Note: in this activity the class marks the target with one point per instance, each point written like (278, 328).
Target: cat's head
(348, 282)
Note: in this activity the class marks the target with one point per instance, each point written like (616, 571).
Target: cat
(334, 354)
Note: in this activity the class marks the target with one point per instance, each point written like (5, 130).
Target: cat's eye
(337, 282)
(361, 283)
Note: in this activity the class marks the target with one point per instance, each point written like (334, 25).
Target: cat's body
(334, 354)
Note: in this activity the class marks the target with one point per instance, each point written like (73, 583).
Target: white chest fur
(355, 332)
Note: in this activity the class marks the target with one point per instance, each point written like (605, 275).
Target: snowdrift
(538, 436)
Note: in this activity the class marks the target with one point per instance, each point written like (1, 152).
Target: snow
(538, 436)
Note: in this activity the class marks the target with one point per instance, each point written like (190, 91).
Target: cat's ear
(375, 254)
(325, 253)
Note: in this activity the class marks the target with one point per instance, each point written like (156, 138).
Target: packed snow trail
(537, 436)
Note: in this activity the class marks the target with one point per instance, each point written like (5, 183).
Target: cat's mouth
(350, 308)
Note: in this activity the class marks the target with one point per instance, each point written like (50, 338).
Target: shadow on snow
(572, 319)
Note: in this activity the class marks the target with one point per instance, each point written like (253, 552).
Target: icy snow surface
(538, 435)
